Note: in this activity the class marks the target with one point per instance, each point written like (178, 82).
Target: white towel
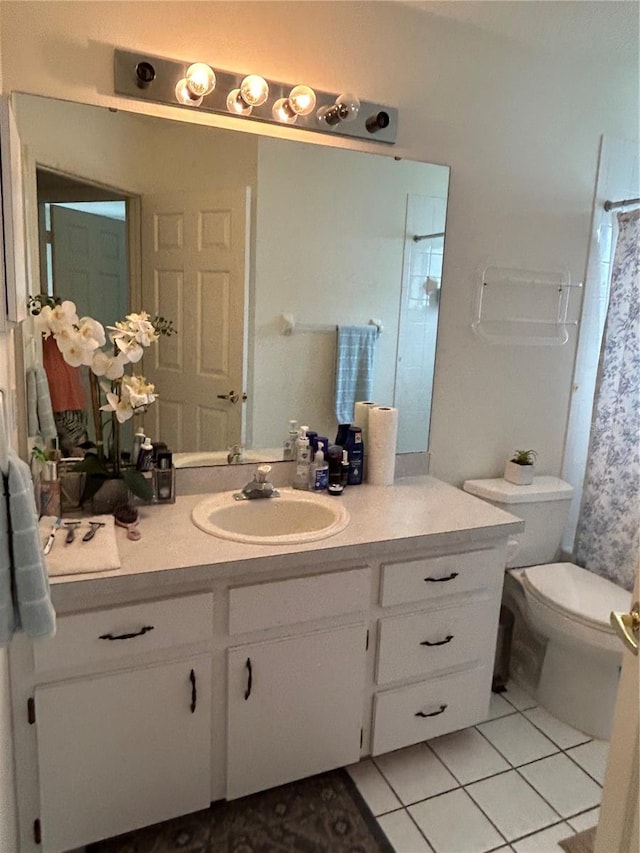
(25, 598)
(100, 554)
(355, 347)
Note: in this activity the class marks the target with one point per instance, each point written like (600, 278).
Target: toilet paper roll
(381, 456)
(361, 419)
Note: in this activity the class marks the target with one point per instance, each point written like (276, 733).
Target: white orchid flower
(130, 348)
(43, 321)
(120, 405)
(108, 365)
(62, 316)
(140, 392)
(92, 332)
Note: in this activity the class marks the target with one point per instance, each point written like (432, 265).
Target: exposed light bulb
(254, 90)
(236, 104)
(185, 96)
(328, 116)
(302, 100)
(348, 106)
(201, 79)
(283, 111)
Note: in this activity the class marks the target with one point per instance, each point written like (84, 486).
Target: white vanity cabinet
(294, 702)
(294, 707)
(436, 659)
(125, 740)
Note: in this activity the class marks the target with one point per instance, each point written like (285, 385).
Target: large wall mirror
(225, 233)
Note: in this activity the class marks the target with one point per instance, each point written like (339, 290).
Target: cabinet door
(294, 708)
(121, 751)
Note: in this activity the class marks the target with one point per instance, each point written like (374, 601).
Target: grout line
(584, 770)
(547, 735)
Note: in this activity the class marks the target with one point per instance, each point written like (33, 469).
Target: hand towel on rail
(355, 348)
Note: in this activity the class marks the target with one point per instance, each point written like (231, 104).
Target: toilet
(564, 650)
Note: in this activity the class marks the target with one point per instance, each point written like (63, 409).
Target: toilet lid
(583, 595)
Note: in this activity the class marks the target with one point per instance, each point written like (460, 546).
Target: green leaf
(139, 485)
(93, 466)
(91, 485)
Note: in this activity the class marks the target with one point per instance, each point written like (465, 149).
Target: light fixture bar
(154, 78)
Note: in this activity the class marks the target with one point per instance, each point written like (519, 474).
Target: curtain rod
(609, 205)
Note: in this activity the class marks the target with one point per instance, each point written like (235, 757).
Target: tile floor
(517, 783)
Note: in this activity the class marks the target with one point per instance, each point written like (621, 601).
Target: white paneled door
(194, 272)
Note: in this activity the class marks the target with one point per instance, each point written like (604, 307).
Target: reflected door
(195, 274)
(89, 263)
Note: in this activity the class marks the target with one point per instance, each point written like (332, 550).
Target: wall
(518, 123)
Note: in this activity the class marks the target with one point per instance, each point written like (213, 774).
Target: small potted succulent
(519, 469)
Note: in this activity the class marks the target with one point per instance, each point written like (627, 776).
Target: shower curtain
(608, 533)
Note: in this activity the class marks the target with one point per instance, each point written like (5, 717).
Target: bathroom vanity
(205, 669)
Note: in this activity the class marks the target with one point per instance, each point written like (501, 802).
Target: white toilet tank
(544, 508)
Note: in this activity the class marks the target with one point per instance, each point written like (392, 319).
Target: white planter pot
(520, 475)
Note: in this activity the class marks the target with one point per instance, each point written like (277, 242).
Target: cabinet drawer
(424, 643)
(433, 577)
(268, 605)
(449, 703)
(101, 636)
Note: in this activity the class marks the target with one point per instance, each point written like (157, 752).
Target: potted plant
(520, 468)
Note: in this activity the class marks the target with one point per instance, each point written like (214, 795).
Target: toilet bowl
(564, 650)
(569, 607)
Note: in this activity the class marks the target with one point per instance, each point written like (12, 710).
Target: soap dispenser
(319, 478)
(303, 462)
(289, 448)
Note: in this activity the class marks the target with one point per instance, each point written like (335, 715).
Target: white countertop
(415, 512)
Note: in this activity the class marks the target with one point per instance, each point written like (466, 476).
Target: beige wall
(519, 125)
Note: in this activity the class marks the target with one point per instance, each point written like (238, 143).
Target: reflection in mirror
(224, 233)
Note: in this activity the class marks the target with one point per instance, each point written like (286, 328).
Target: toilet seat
(576, 593)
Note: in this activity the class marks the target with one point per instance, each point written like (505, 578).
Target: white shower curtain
(608, 534)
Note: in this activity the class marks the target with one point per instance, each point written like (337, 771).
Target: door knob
(233, 397)
(627, 626)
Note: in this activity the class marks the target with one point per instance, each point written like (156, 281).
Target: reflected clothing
(65, 382)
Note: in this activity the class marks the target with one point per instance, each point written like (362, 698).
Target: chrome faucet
(234, 456)
(259, 487)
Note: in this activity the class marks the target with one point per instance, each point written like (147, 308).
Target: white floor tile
(513, 806)
(404, 836)
(415, 773)
(560, 733)
(518, 697)
(499, 707)
(563, 785)
(586, 820)
(374, 789)
(592, 757)
(545, 841)
(517, 739)
(468, 755)
(452, 822)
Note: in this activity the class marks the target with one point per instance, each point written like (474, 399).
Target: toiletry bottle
(145, 456)
(334, 460)
(343, 432)
(289, 447)
(319, 470)
(50, 500)
(355, 449)
(344, 467)
(164, 478)
(303, 462)
(312, 435)
(138, 441)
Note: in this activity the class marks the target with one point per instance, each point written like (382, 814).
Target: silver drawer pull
(444, 642)
(441, 710)
(442, 580)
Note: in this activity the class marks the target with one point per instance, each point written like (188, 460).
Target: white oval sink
(290, 519)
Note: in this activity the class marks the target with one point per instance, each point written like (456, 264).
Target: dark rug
(322, 814)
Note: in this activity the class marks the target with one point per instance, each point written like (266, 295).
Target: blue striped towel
(355, 347)
(25, 597)
(39, 410)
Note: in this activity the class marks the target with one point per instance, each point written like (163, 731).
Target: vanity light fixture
(184, 84)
